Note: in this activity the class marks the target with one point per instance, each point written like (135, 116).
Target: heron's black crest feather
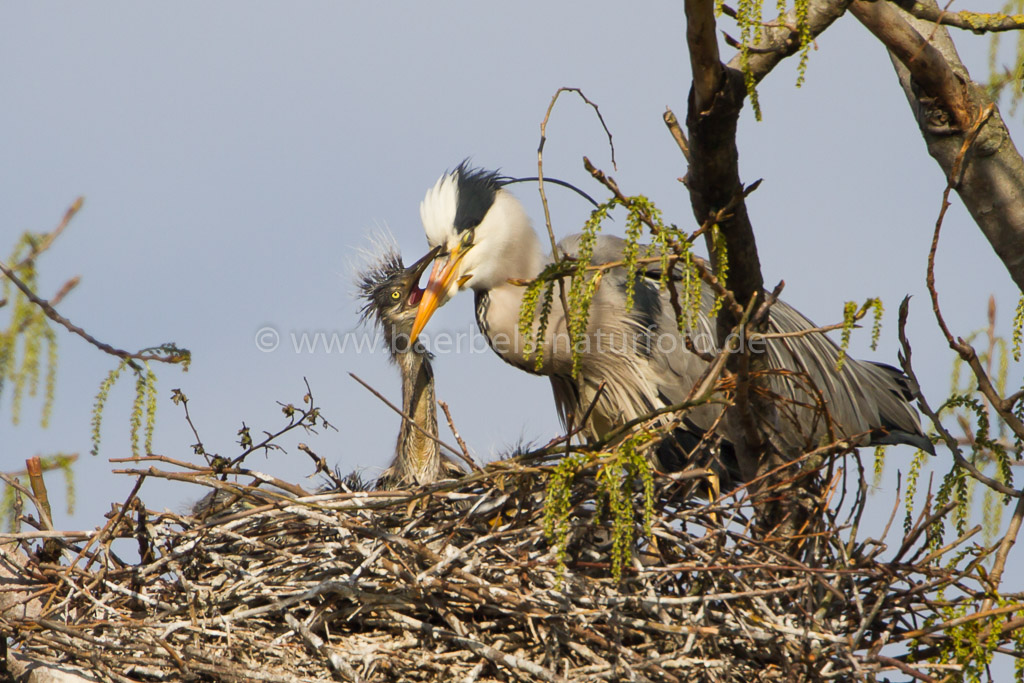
(477, 189)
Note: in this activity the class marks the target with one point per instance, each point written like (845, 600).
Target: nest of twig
(460, 582)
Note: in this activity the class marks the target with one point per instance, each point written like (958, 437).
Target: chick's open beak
(436, 294)
(412, 277)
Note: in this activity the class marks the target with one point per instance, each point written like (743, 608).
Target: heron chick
(392, 295)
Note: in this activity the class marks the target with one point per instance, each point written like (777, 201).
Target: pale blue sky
(235, 155)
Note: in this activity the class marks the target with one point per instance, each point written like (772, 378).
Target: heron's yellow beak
(436, 293)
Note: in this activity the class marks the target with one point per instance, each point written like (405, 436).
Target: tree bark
(780, 40)
(716, 99)
(991, 183)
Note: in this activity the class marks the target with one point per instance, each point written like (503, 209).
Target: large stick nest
(459, 582)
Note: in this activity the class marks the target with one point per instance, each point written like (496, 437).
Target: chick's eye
(396, 294)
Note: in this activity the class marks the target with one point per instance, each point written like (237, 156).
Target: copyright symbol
(267, 339)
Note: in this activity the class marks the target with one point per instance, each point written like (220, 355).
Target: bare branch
(34, 466)
(677, 133)
(927, 66)
(540, 156)
(540, 177)
(180, 356)
(49, 237)
(458, 439)
(779, 40)
(969, 21)
(905, 668)
(704, 59)
(413, 422)
(1009, 539)
(947, 438)
(1002, 406)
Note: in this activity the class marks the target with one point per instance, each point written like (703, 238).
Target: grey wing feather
(863, 398)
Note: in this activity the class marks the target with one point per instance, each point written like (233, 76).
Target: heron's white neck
(507, 246)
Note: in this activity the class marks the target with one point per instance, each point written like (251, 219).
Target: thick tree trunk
(991, 183)
(713, 179)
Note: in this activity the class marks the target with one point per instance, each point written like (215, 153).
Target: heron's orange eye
(396, 294)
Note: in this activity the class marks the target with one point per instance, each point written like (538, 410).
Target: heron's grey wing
(638, 354)
(643, 363)
(657, 369)
(861, 397)
(611, 374)
(669, 366)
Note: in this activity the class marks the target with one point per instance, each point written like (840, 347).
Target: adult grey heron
(392, 293)
(486, 238)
